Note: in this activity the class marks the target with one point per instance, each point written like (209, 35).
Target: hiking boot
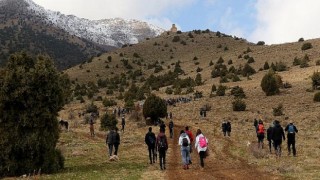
(187, 166)
(164, 167)
(184, 167)
(190, 162)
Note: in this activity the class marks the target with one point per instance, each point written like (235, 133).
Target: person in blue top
(291, 138)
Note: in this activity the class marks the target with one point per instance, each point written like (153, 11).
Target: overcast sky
(272, 21)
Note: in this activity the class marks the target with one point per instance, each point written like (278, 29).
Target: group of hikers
(159, 144)
(275, 135)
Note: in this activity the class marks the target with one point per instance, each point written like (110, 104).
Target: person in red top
(189, 133)
(162, 147)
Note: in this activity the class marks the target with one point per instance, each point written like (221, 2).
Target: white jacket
(182, 136)
(197, 144)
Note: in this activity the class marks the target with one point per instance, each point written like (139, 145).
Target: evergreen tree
(32, 92)
(154, 107)
(270, 84)
(198, 79)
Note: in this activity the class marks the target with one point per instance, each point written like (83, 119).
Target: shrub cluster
(270, 83)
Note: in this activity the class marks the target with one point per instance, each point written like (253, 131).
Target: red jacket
(190, 135)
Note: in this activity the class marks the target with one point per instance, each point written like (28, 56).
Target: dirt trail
(220, 164)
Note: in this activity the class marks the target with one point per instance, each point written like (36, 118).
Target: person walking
(162, 147)
(291, 138)
(123, 123)
(116, 141)
(269, 137)
(184, 142)
(171, 128)
(110, 141)
(277, 136)
(191, 138)
(162, 126)
(255, 124)
(150, 140)
(224, 127)
(228, 128)
(91, 123)
(260, 134)
(201, 146)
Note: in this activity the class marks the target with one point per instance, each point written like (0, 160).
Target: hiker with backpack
(191, 138)
(123, 123)
(184, 142)
(260, 134)
(269, 138)
(163, 126)
(150, 140)
(201, 146)
(277, 136)
(291, 138)
(171, 128)
(162, 147)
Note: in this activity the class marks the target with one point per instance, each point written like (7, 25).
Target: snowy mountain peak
(112, 32)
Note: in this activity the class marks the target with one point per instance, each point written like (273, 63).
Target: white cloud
(152, 10)
(286, 20)
(228, 25)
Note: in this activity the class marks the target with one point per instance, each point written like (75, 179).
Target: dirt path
(220, 164)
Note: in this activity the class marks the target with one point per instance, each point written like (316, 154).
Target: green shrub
(269, 84)
(211, 63)
(221, 91)
(223, 79)
(296, 61)
(306, 46)
(247, 70)
(109, 102)
(238, 92)
(250, 60)
(195, 58)
(169, 90)
(315, 79)
(220, 60)
(300, 40)
(213, 88)
(108, 122)
(230, 62)
(239, 105)
(316, 97)
(176, 39)
(266, 66)
(278, 111)
(91, 108)
(261, 43)
(317, 62)
(109, 58)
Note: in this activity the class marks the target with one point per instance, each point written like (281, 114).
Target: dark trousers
(202, 155)
(152, 155)
(171, 132)
(122, 129)
(110, 149)
(270, 144)
(293, 144)
(116, 146)
(162, 158)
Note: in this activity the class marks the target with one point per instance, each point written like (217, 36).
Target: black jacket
(150, 136)
(277, 133)
(269, 133)
(113, 138)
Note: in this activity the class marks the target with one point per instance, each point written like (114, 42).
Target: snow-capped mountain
(113, 32)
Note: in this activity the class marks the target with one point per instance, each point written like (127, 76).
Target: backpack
(291, 129)
(162, 143)
(151, 140)
(260, 129)
(202, 142)
(185, 141)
